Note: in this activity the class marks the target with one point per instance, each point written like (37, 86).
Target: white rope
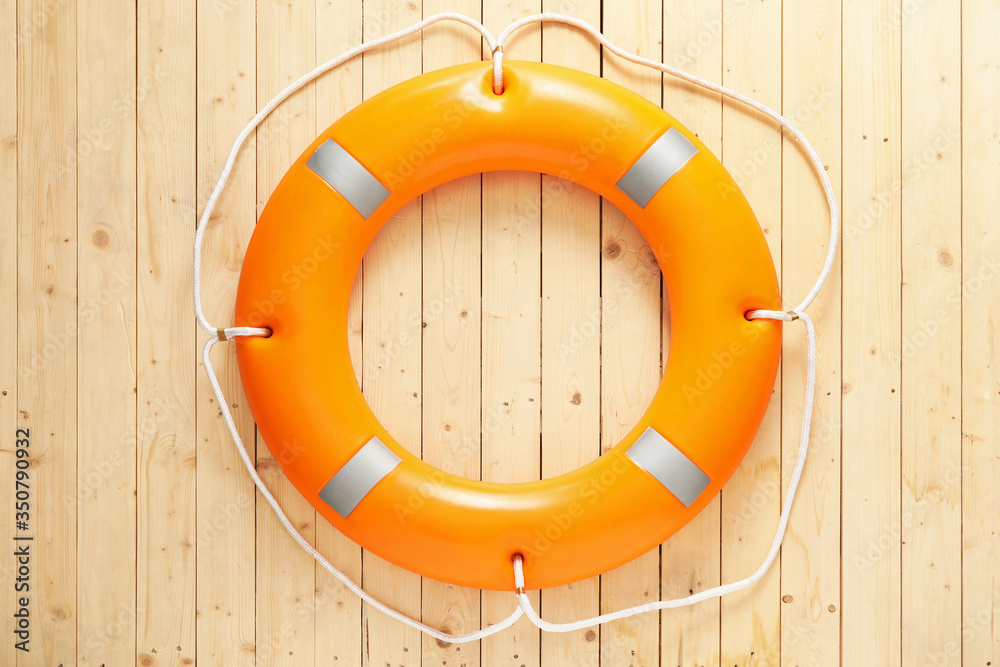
(309, 549)
(817, 163)
(524, 603)
(271, 106)
(718, 591)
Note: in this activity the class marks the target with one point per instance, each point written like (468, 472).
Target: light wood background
(512, 305)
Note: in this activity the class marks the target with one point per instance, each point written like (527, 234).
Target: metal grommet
(793, 315)
(498, 49)
(519, 590)
(221, 334)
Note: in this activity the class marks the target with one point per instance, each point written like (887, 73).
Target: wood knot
(612, 250)
(101, 239)
(442, 643)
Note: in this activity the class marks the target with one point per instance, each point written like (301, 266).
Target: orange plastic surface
(307, 248)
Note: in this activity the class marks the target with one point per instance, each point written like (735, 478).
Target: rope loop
(524, 607)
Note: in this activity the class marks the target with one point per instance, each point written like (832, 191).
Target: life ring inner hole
(508, 262)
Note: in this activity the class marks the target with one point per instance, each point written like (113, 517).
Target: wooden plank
(980, 297)
(286, 575)
(226, 604)
(810, 557)
(48, 317)
(631, 316)
(338, 611)
(9, 306)
(751, 151)
(452, 316)
(106, 126)
(692, 40)
(165, 417)
(931, 503)
(511, 330)
(391, 307)
(571, 341)
(871, 335)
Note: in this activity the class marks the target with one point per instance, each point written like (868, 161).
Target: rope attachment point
(224, 334)
(498, 70)
(518, 560)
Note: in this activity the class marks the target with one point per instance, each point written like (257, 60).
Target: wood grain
(338, 611)
(166, 567)
(511, 334)
(980, 309)
(870, 554)
(507, 327)
(286, 576)
(226, 592)
(106, 178)
(691, 560)
(810, 560)
(571, 344)
(931, 350)
(451, 318)
(48, 316)
(392, 339)
(631, 306)
(751, 151)
(8, 303)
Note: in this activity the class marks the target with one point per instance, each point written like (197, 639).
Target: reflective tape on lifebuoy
(308, 245)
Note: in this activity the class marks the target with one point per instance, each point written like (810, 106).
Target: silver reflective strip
(358, 476)
(655, 167)
(654, 454)
(348, 177)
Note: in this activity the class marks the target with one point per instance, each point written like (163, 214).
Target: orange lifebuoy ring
(300, 383)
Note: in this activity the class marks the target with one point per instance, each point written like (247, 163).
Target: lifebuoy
(300, 383)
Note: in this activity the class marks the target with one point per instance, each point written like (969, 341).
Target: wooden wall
(526, 306)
